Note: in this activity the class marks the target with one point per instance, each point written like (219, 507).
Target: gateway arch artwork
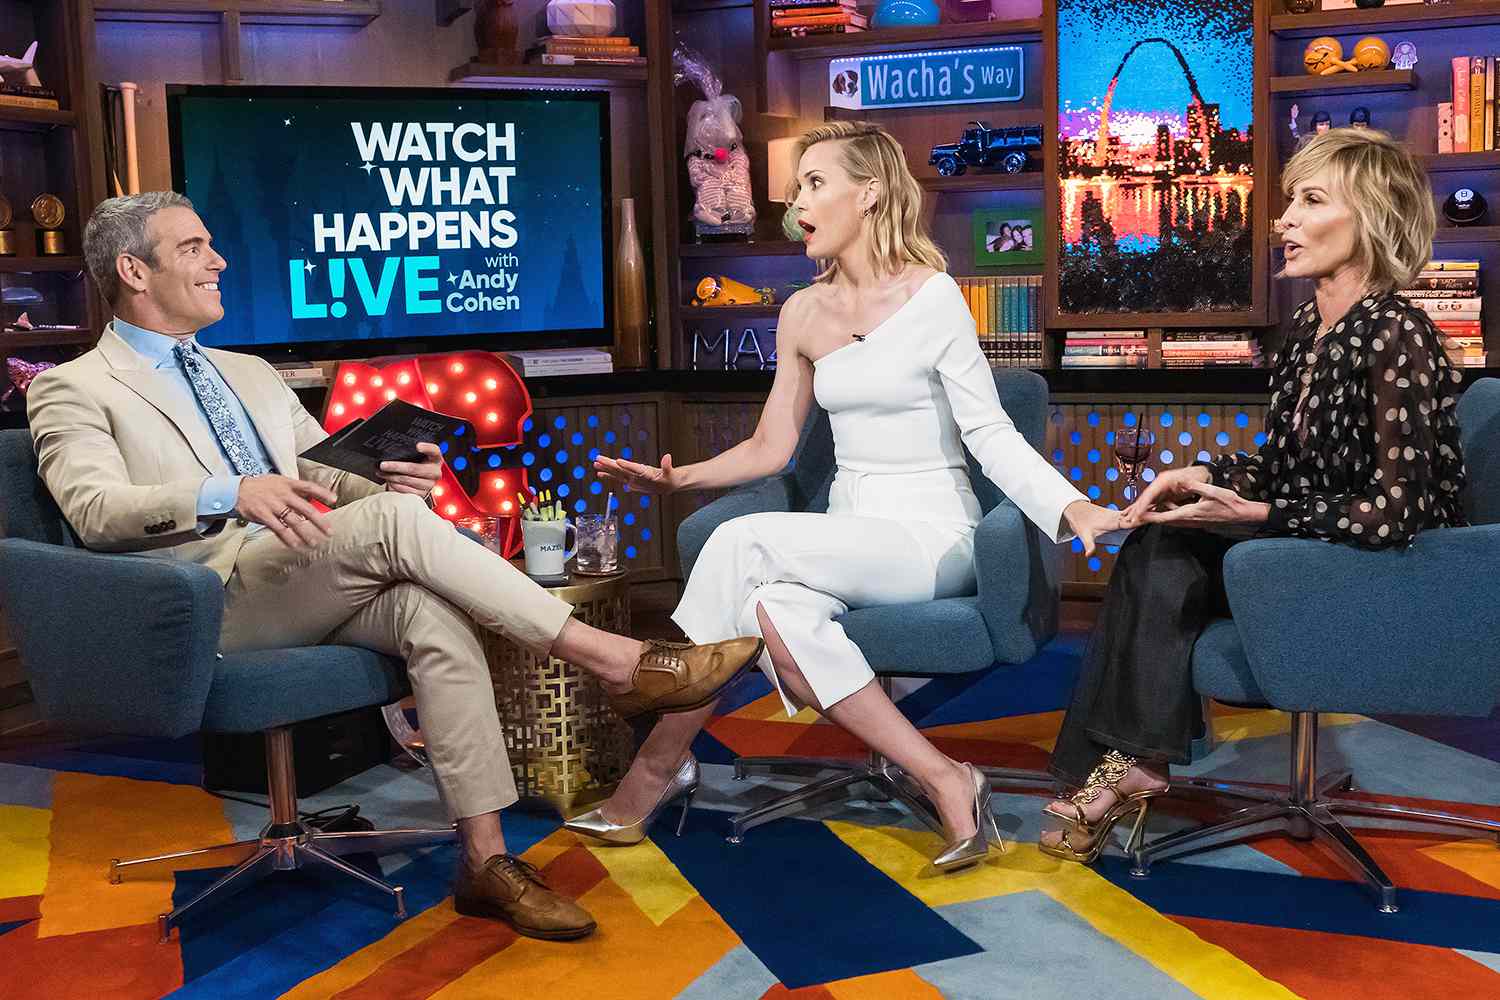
(1155, 156)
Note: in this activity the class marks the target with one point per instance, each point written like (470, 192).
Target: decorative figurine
(1009, 149)
(495, 32)
(48, 213)
(717, 290)
(715, 151)
(1296, 135)
(1404, 55)
(24, 67)
(1322, 121)
(1359, 117)
(21, 373)
(1466, 207)
(580, 18)
(1324, 55)
(1371, 53)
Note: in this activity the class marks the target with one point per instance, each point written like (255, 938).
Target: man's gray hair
(118, 226)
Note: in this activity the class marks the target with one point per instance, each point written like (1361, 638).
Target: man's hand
(1168, 491)
(1215, 505)
(281, 504)
(415, 477)
(1089, 522)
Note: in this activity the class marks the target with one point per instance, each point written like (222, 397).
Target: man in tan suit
(151, 443)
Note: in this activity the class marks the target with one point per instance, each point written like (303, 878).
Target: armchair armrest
(1017, 571)
(774, 493)
(1330, 628)
(113, 643)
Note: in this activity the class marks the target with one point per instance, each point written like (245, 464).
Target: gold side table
(566, 745)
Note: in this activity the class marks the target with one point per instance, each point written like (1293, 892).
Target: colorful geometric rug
(838, 904)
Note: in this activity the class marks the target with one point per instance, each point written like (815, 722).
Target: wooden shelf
(1439, 162)
(1370, 82)
(766, 248)
(27, 265)
(1467, 234)
(316, 13)
(1406, 16)
(34, 119)
(1025, 181)
(894, 39)
(44, 338)
(595, 77)
(729, 314)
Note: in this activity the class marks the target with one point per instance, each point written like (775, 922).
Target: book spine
(548, 59)
(818, 20)
(1476, 103)
(1445, 127)
(561, 48)
(822, 29)
(828, 8)
(586, 39)
(23, 101)
(1460, 104)
(1489, 103)
(1099, 352)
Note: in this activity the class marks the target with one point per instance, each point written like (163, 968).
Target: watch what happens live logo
(447, 186)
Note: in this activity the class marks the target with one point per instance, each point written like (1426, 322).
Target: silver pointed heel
(972, 850)
(684, 785)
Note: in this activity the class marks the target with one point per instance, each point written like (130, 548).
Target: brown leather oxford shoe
(679, 676)
(512, 890)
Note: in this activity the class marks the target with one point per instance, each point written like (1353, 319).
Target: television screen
(373, 221)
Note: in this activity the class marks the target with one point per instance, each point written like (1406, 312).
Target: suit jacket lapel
(154, 387)
(246, 377)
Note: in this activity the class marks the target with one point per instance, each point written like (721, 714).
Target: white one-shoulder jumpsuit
(901, 513)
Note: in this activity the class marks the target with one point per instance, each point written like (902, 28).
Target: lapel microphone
(859, 338)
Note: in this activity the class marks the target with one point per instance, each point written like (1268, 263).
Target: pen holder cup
(549, 545)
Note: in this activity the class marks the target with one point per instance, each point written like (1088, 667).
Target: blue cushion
(947, 636)
(277, 687)
(1479, 426)
(1220, 668)
(26, 508)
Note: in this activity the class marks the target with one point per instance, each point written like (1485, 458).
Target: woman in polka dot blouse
(1361, 448)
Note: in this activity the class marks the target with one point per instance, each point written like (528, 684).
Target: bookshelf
(476, 74)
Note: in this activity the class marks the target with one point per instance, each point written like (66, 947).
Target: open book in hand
(390, 434)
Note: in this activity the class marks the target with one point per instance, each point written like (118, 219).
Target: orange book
(858, 20)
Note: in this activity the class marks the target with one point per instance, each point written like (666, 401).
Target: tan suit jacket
(124, 452)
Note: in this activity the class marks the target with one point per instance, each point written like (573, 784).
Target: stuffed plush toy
(715, 148)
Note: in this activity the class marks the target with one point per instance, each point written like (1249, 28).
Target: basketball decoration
(1371, 53)
(1322, 55)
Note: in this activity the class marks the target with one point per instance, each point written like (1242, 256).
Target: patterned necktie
(211, 398)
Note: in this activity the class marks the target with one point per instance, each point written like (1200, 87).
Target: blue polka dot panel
(1080, 443)
(555, 442)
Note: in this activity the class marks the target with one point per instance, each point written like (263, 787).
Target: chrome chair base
(1303, 810)
(887, 782)
(286, 844)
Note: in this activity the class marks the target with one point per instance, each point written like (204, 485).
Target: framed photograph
(1155, 197)
(1009, 234)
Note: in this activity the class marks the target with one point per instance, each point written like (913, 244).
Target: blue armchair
(1329, 628)
(127, 645)
(1013, 614)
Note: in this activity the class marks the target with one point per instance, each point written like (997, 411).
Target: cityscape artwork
(1155, 155)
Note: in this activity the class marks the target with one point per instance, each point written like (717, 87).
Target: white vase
(580, 18)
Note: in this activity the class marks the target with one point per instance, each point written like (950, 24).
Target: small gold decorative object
(7, 237)
(48, 211)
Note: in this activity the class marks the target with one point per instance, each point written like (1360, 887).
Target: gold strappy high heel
(1106, 776)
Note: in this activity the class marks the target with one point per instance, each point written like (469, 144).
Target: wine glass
(1132, 448)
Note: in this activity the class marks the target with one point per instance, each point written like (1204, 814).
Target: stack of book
(600, 50)
(560, 361)
(1008, 317)
(1467, 124)
(19, 95)
(794, 18)
(1105, 349)
(1448, 290)
(1209, 349)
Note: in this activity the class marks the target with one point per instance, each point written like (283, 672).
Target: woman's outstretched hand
(658, 479)
(1089, 521)
(1168, 491)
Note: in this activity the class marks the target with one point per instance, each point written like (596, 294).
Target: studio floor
(837, 904)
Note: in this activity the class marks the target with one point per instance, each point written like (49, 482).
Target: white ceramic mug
(547, 547)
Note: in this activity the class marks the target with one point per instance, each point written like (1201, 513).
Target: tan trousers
(397, 578)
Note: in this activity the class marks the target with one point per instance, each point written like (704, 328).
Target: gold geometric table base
(566, 745)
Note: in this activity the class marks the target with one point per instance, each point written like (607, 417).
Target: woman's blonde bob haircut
(867, 152)
(1387, 191)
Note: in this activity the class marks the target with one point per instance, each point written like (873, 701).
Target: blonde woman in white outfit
(885, 342)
